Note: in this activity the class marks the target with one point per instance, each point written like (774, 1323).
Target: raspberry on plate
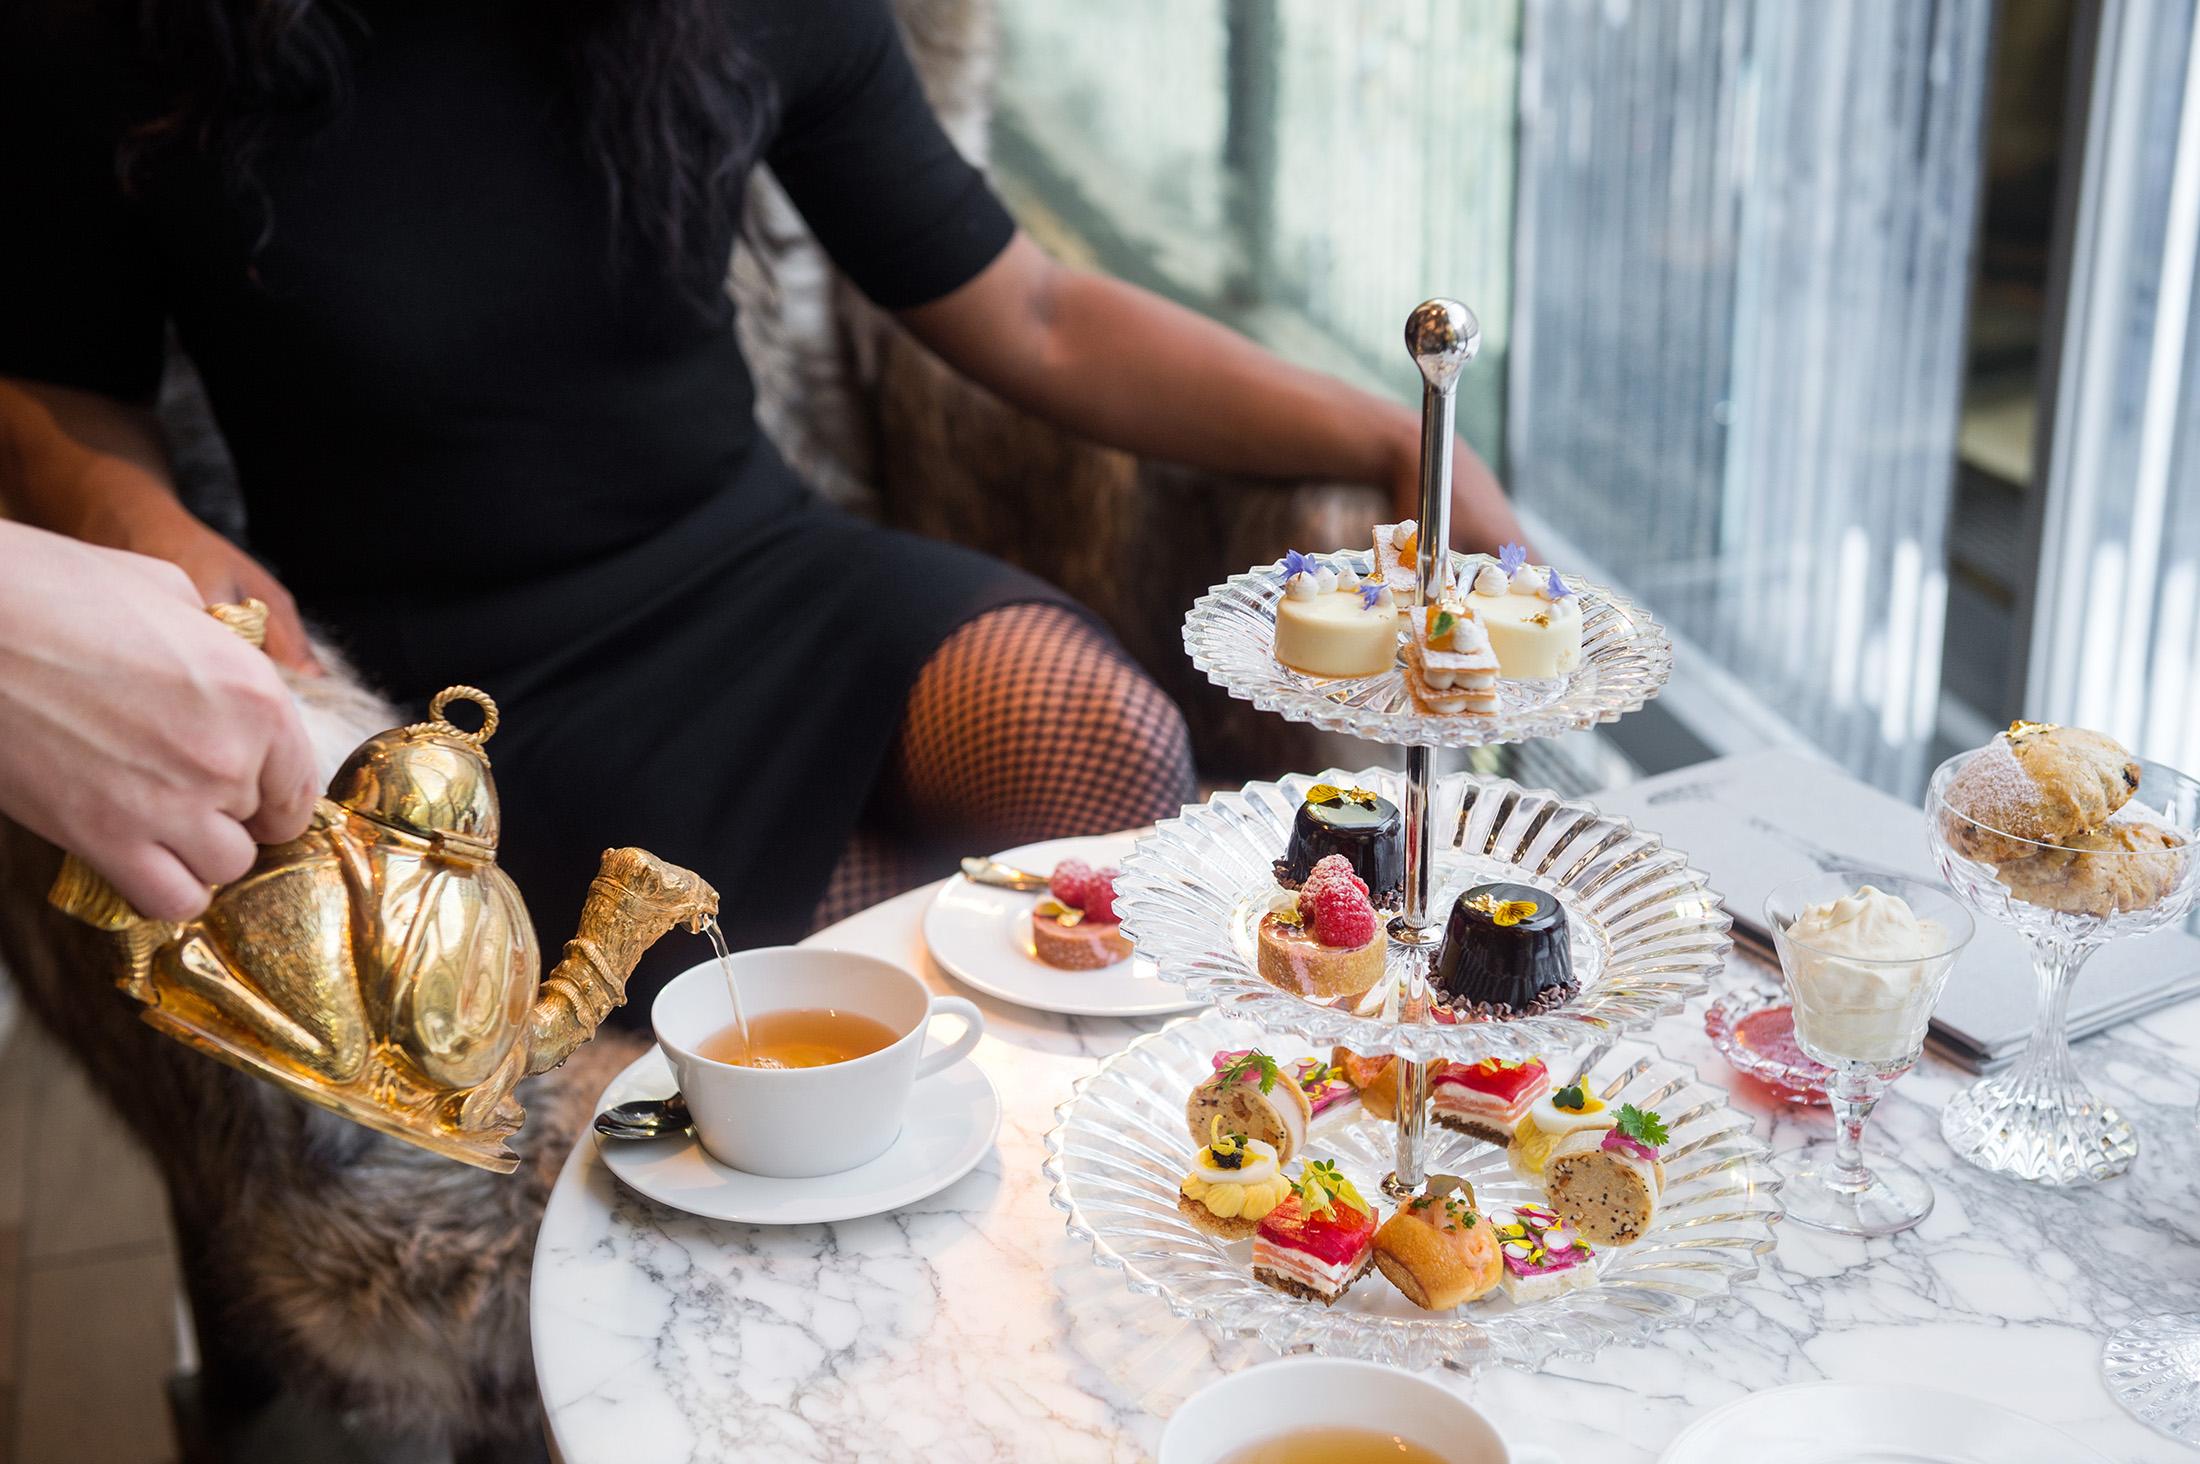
(1071, 883)
(1100, 894)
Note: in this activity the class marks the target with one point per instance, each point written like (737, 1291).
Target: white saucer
(981, 936)
(952, 1120)
(1872, 1423)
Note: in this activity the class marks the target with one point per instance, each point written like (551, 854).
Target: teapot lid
(430, 779)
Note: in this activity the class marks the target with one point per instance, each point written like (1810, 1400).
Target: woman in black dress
(452, 272)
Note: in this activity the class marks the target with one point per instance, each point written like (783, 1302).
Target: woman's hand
(135, 730)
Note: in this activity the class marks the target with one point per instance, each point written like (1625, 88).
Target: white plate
(952, 1120)
(1872, 1423)
(981, 936)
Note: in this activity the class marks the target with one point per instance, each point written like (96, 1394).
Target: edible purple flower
(1510, 557)
(1556, 588)
(1296, 563)
(1369, 594)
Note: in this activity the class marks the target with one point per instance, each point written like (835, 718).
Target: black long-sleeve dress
(477, 455)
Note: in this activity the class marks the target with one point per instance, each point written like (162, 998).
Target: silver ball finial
(1442, 337)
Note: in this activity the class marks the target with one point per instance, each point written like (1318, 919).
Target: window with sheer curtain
(1720, 250)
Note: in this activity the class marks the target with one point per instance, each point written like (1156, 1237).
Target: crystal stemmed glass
(1865, 1020)
(2039, 1121)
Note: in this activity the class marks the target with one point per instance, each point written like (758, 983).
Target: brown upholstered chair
(324, 1260)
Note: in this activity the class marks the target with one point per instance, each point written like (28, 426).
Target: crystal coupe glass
(2038, 1121)
(1865, 1019)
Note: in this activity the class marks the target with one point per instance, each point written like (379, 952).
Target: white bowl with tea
(1332, 1410)
(815, 1076)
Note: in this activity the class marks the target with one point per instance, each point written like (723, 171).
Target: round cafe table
(970, 1326)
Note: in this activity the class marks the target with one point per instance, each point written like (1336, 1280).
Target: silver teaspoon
(1003, 876)
(647, 1118)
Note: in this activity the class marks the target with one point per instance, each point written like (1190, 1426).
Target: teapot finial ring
(437, 722)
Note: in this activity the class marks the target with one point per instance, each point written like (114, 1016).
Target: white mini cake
(1532, 618)
(1329, 623)
(1450, 667)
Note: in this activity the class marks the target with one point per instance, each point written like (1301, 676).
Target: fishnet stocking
(1026, 724)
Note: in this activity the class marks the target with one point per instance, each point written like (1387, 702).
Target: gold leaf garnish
(1503, 912)
(1058, 912)
(2026, 729)
(1326, 793)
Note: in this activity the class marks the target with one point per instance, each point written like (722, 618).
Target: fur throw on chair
(360, 1272)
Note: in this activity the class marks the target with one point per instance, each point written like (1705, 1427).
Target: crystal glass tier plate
(1121, 1147)
(1231, 632)
(1647, 931)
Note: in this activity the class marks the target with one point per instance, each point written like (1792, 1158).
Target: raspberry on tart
(1074, 927)
(1329, 942)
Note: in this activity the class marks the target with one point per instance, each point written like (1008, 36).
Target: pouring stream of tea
(733, 989)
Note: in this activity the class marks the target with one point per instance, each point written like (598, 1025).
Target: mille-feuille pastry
(1250, 1094)
(1574, 1108)
(1319, 1240)
(1074, 925)
(1234, 1184)
(2129, 864)
(1532, 617)
(1328, 943)
(1609, 1184)
(1486, 1099)
(1364, 827)
(1328, 623)
(2035, 784)
(1398, 560)
(1450, 668)
(1438, 1249)
(1543, 1255)
(1506, 954)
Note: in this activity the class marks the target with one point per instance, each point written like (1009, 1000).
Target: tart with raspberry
(1074, 926)
(1328, 943)
(1319, 1241)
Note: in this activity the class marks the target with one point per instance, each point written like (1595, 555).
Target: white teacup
(795, 1123)
(1331, 1392)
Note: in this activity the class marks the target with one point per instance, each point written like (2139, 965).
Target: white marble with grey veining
(970, 1327)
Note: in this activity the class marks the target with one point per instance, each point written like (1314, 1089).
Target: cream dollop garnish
(1490, 580)
(1260, 1166)
(1301, 586)
(1526, 581)
(1862, 970)
(1347, 578)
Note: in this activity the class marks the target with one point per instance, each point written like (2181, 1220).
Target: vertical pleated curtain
(2116, 621)
(1744, 238)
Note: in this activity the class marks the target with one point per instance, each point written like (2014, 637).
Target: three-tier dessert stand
(1647, 933)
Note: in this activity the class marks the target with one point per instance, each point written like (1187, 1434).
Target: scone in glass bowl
(2038, 1121)
(1863, 1017)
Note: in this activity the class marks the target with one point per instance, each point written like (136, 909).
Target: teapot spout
(636, 897)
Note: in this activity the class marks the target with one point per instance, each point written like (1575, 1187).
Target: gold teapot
(381, 964)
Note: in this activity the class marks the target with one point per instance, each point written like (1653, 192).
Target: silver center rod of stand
(1442, 336)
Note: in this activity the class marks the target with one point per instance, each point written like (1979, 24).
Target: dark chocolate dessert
(1364, 827)
(1505, 954)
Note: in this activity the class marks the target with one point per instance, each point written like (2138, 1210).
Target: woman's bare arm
(95, 468)
(1125, 367)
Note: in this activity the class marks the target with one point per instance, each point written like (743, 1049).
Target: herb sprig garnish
(1574, 1097)
(1246, 1063)
(1642, 1127)
(1321, 1186)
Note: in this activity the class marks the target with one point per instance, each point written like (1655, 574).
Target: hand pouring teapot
(381, 964)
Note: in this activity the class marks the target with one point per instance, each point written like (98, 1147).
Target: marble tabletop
(971, 1327)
